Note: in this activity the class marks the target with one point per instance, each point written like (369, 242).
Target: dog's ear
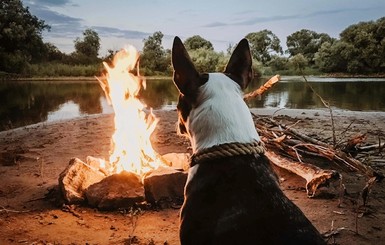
(239, 65)
(186, 77)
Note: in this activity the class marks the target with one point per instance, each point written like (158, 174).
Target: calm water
(24, 103)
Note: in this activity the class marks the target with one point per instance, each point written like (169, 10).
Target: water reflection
(24, 103)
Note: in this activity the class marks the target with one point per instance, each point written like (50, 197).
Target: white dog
(231, 195)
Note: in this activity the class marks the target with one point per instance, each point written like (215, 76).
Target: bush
(63, 70)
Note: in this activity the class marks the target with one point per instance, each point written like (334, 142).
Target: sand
(32, 158)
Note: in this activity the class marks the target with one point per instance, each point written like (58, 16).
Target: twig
(371, 147)
(298, 134)
(344, 132)
(327, 105)
(3, 209)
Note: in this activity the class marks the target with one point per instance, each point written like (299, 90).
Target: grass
(63, 70)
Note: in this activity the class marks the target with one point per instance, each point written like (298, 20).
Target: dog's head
(210, 95)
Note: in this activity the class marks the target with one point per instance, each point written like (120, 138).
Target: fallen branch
(296, 133)
(267, 85)
(3, 209)
(313, 175)
(291, 146)
(371, 147)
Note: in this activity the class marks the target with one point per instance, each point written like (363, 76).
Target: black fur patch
(237, 200)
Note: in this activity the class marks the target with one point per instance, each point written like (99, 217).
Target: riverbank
(69, 79)
(32, 158)
(164, 77)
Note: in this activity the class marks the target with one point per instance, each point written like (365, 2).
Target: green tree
(87, 49)
(361, 49)
(197, 42)
(335, 57)
(368, 40)
(20, 36)
(278, 63)
(306, 42)
(205, 60)
(52, 53)
(154, 58)
(298, 62)
(263, 45)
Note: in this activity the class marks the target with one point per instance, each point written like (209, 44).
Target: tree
(306, 42)
(87, 49)
(20, 36)
(335, 57)
(368, 39)
(205, 60)
(278, 63)
(298, 62)
(197, 42)
(263, 44)
(154, 58)
(52, 53)
(361, 49)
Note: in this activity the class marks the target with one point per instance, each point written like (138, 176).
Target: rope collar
(227, 150)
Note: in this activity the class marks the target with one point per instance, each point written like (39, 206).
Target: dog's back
(230, 198)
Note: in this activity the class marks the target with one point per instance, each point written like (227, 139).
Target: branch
(270, 83)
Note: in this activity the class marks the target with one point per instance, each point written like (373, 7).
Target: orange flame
(131, 149)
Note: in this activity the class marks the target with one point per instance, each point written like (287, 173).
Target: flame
(131, 149)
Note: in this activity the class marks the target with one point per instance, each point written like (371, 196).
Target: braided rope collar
(227, 150)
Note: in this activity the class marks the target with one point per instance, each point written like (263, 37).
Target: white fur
(191, 172)
(221, 115)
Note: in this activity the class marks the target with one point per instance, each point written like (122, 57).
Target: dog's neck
(221, 116)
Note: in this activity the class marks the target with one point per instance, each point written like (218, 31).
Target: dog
(235, 198)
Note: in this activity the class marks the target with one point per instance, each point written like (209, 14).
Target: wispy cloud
(51, 2)
(69, 27)
(116, 32)
(258, 20)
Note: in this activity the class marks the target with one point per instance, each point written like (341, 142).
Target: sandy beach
(32, 158)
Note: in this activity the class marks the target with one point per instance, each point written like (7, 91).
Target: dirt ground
(33, 157)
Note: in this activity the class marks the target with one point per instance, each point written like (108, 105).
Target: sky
(222, 22)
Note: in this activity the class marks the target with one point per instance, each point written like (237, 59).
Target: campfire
(131, 149)
(134, 172)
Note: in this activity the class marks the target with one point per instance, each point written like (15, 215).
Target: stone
(116, 191)
(164, 183)
(178, 160)
(76, 178)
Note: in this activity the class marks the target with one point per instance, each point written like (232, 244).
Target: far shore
(161, 77)
(74, 79)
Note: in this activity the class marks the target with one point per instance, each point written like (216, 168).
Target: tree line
(360, 49)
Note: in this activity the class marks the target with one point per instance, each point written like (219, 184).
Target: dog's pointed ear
(186, 77)
(239, 65)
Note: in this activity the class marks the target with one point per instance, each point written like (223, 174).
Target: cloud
(52, 2)
(258, 20)
(116, 32)
(216, 24)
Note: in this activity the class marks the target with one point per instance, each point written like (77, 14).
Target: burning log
(90, 182)
(116, 191)
(76, 178)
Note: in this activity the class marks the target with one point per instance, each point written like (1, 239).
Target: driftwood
(287, 148)
(313, 175)
(266, 86)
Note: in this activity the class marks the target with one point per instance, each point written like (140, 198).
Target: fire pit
(134, 172)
